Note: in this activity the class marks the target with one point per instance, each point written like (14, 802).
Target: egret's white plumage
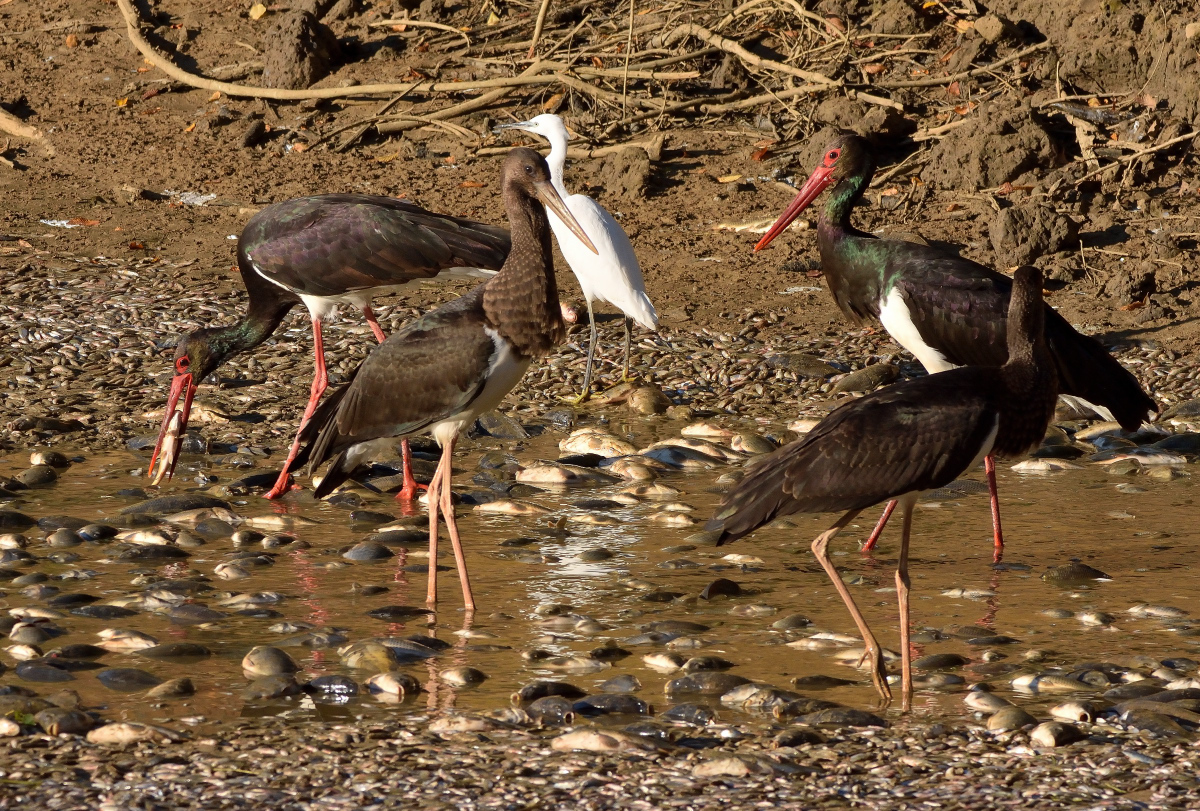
(613, 274)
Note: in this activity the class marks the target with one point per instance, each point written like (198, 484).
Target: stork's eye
(528, 169)
(182, 364)
(831, 156)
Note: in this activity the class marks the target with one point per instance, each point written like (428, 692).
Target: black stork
(322, 251)
(441, 371)
(947, 311)
(900, 441)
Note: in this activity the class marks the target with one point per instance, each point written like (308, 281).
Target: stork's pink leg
(319, 384)
(374, 322)
(875, 533)
(410, 488)
(989, 467)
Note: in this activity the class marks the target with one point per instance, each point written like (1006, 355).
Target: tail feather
(1087, 370)
(758, 499)
(337, 473)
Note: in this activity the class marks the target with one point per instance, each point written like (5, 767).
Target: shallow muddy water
(1139, 530)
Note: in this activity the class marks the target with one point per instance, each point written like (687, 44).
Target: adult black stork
(947, 311)
(441, 371)
(323, 251)
(900, 441)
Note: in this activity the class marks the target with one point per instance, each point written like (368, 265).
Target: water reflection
(1143, 536)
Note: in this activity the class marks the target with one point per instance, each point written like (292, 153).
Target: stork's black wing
(914, 436)
(333, 244)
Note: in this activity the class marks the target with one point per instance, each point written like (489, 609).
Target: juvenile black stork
(441, 371)
(947, 311)
(323, 251)
(900, 441)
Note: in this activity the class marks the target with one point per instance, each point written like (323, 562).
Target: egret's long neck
(557, 160)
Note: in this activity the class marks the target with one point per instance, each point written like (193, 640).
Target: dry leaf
(299, 147)
(1134, 305)
(151, 93)
(766, 142)
(873, 68)
(963, 26)
(551, 104)
(699, 170)
(72, 41)
(216, 95)
(1005, 188)
(834, 25)
(952, 207)
(890, 191)
(728, 178)
(143, 70)
(944, 58)
(1147, 101)
(597, 63)
(449, 159)
(760, 153)
(257, 11)
(82, 221)
(493, 18)
(191, 127)
(136, 246)
(387, 159)
(472, 184)
(954, 90)
(122, 102)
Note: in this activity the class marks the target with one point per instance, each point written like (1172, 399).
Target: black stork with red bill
(322, 251)
(901, 441)
(946, 310)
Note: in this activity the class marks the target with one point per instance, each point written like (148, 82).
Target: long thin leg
(374, 322)
(628, 346)
(319, 384)
(989, 467)
(460, 559)
(587, 371)
(875, 533)
(873, 651)
(431, 591)
(902, 586)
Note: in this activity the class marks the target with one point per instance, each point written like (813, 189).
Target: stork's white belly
(897, 320)
(505, 370)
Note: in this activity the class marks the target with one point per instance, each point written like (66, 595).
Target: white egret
(610, 274)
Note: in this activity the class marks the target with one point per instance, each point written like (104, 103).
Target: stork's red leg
(875, 533)
(319, 384)
(989, 467)
(410, 487)
(410, 484)
(374, 322)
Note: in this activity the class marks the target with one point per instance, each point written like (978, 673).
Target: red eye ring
(182, 364)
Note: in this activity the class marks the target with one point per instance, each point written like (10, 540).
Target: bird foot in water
(576, 402)
(281, 488)
(409, 491)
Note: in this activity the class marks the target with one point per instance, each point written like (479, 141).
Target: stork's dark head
(848, 157)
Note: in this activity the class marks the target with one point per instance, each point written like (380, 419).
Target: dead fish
(969, 594)
(593, 440)
(200, 412)
(193, 517)
(279, 522)
(1039, 683)
(1043, 466)
(509, 506)
(120, 640)
(172, 442)
(706, 430)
